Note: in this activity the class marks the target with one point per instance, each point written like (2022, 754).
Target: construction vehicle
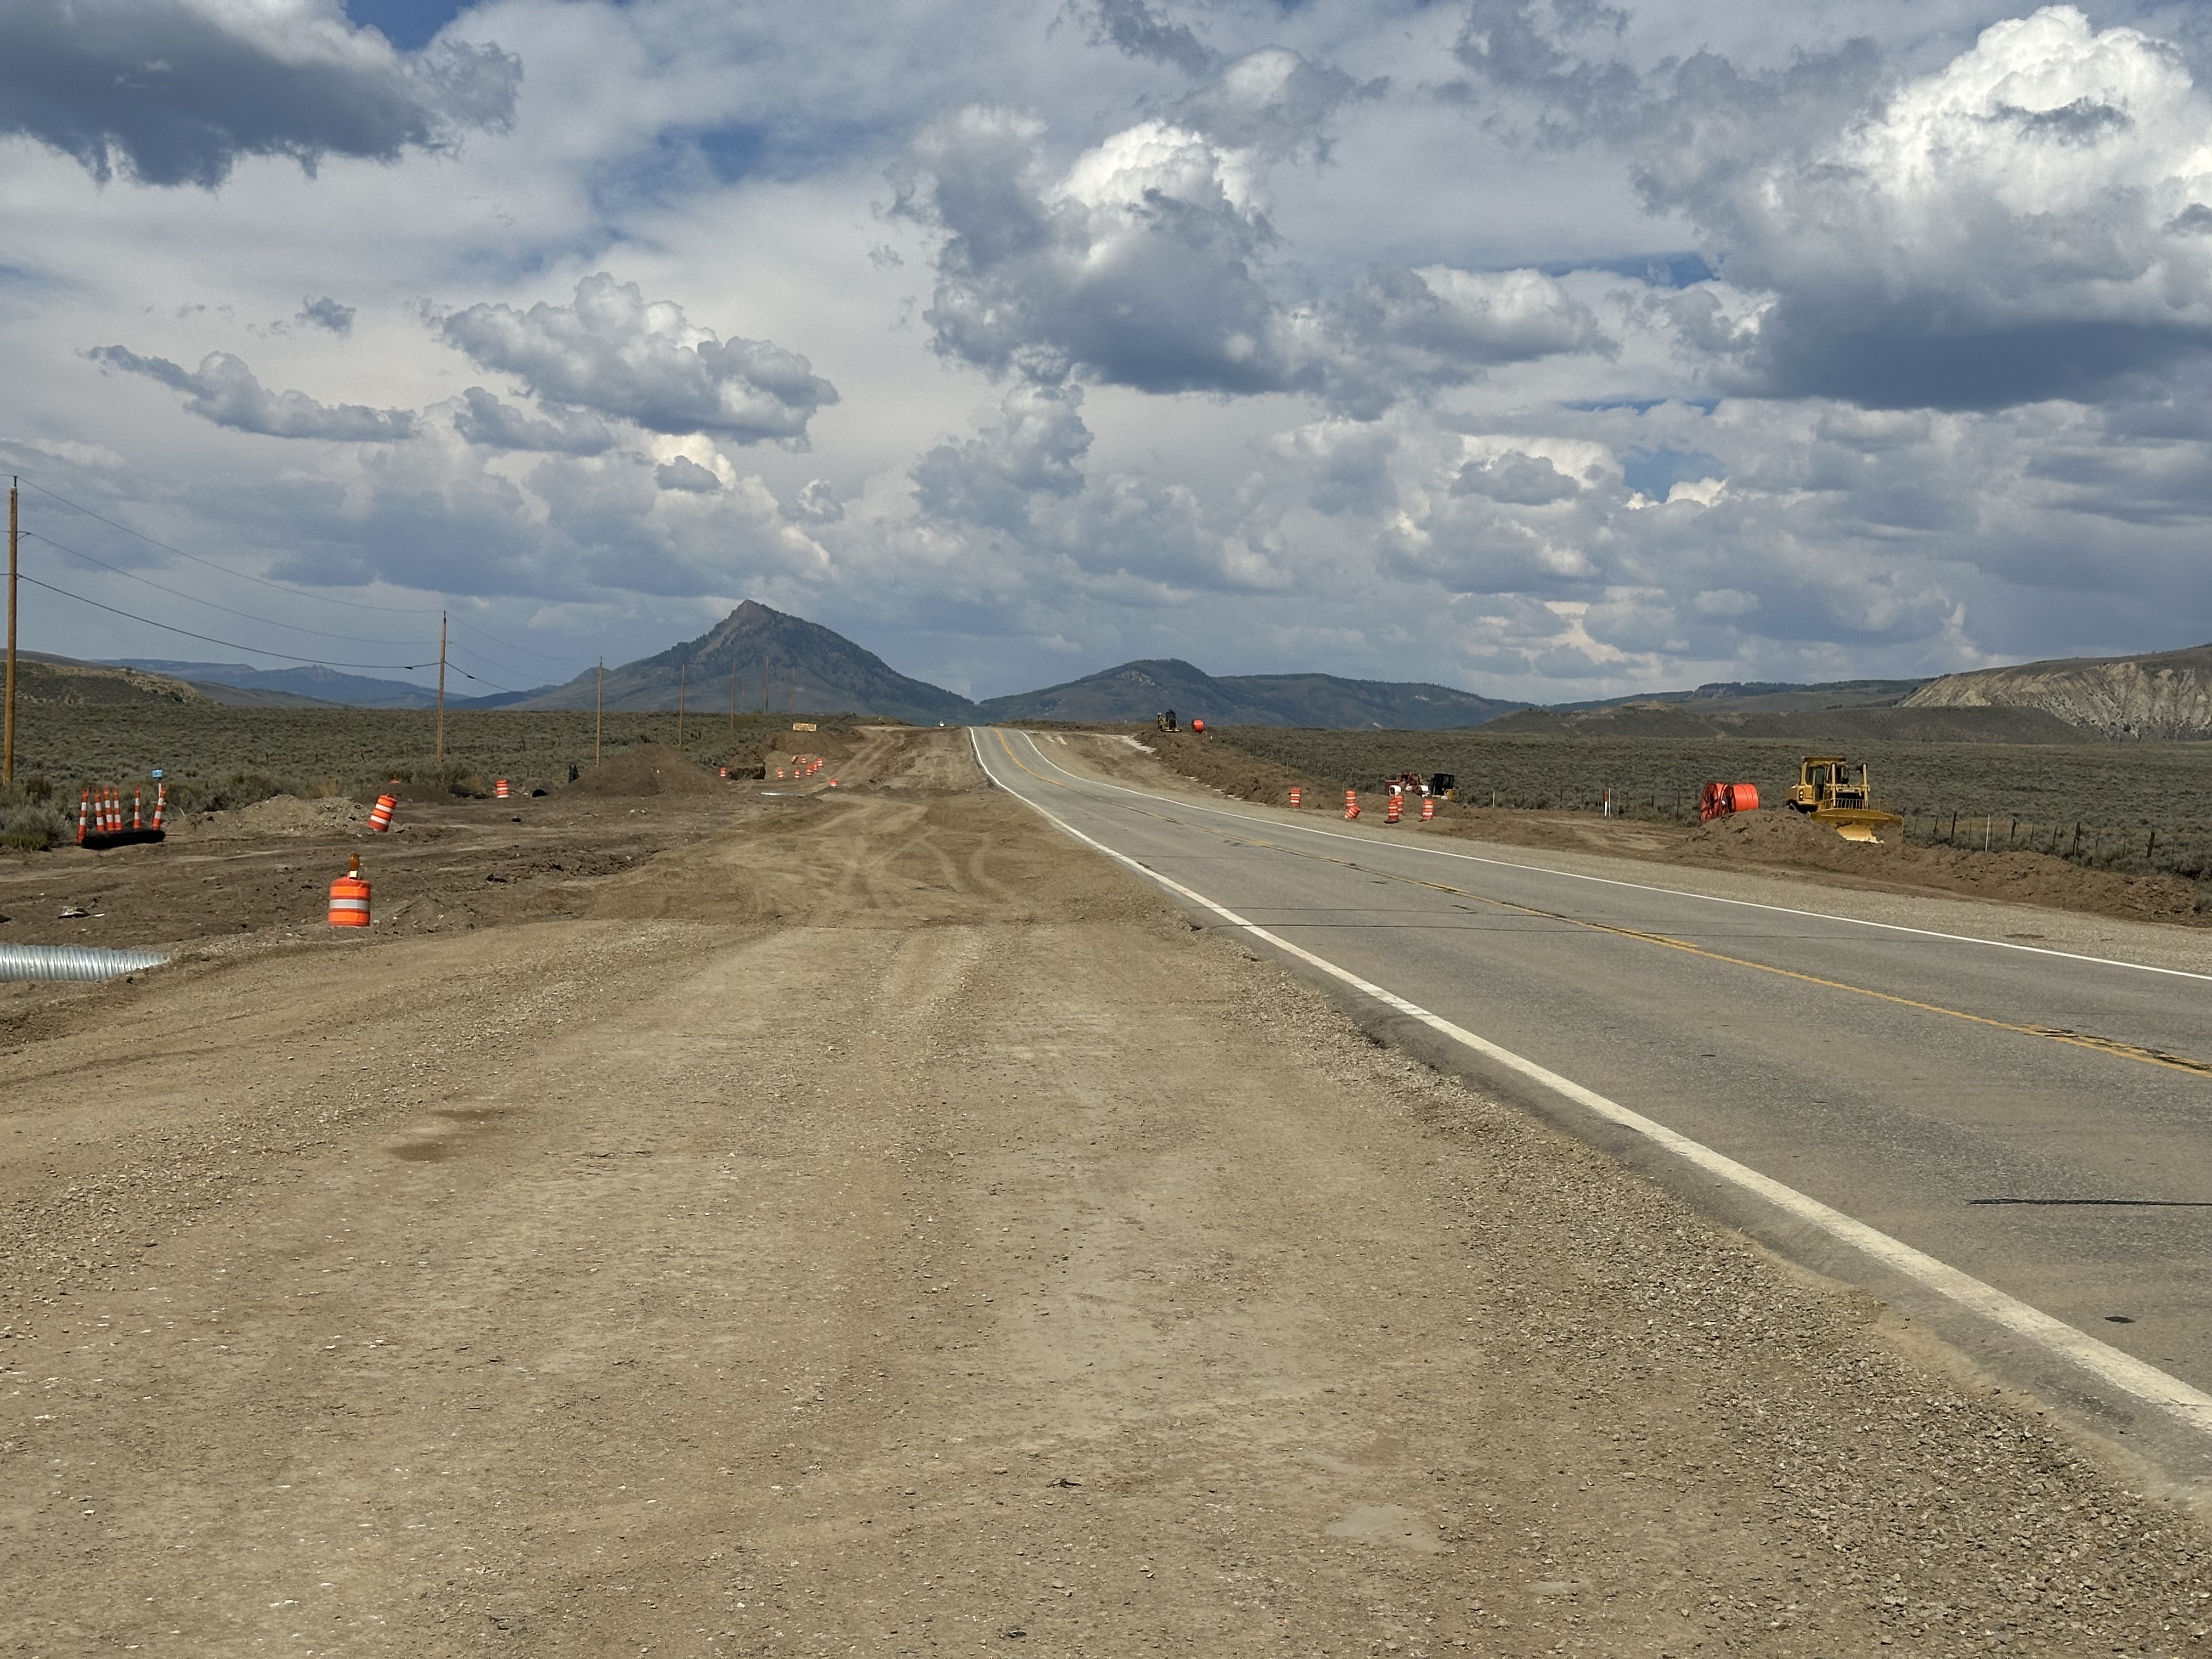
(1826, 792)
(1165, 720)
(1441, 785)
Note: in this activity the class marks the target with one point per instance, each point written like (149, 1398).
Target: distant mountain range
(302, 687)
(785, 664)
(1138, 691)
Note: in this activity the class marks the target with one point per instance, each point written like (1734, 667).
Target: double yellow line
(2050, 1033)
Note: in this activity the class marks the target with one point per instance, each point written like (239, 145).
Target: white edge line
(2109, 1364)
(1609, 881)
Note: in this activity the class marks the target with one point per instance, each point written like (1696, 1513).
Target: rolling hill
(2165, 694)
(1136, 692)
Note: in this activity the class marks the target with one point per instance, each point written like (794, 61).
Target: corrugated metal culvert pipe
(72, 961)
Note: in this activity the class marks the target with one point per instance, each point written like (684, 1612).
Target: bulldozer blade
(1858, 832)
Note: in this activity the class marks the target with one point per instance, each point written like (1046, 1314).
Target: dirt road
(886, 1228)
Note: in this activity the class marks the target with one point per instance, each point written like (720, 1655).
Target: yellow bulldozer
(1827, 793)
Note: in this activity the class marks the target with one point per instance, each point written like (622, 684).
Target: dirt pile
(1231, 771)
(1796, 842)
(650, 768)
(280, 815)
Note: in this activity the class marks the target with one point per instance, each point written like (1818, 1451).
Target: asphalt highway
(2039, 1122)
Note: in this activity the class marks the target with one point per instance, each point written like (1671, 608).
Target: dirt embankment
(880, 1225)
(260, 875)
(1775, 839)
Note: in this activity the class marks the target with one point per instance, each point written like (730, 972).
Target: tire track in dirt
(1001, 1261)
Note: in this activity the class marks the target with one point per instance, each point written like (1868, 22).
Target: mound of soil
(280, 815)
(650, 768)
(1796, 843)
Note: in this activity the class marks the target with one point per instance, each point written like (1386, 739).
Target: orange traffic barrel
(1395, 809)
(499, 789)
(379, 816)
(1298, 796)
(1352, 803)
(1428, 807)
(350, 897)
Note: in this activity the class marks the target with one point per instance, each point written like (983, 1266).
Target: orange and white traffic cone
(160, 803)
(350, 897)
(83, 815)
(139, 807)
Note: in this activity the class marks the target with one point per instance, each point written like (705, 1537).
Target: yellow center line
(2050, 1033)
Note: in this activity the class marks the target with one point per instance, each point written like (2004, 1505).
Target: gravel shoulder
(888, 1227)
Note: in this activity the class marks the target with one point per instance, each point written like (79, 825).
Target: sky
(1548, 349)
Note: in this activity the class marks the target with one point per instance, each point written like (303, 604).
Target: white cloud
(223, 390)
(615, 354)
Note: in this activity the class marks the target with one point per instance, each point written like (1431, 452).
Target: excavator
(1827, 793)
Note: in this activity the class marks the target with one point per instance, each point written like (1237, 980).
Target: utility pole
(683, 670)
(598, 712)
(442, 691)
(8, 742)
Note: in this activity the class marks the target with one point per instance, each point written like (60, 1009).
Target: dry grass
(217, 756)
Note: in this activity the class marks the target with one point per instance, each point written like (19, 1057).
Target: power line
(233, 645)
(281, 587)
(293, 589)
(247, 615)
(521, 651)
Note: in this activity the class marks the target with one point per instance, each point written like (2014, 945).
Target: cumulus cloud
(613, 353)
(1034, 447)
(223, 390)
(1147, 263)
(326, 314)
(1274, 102)
(1140, 31)
(174, 92)
(686, 474)
(482, 418)
(2014, 227)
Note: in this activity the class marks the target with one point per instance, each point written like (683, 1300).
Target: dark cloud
(686, 474)
(223, 390)
(613, 353)
(483, 419)
(326, 314)
(1519, 479)
(1034, 448)
(1139, 30)
(174, 92)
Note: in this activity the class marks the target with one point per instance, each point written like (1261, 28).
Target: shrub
(30, 829)
(227, 794)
